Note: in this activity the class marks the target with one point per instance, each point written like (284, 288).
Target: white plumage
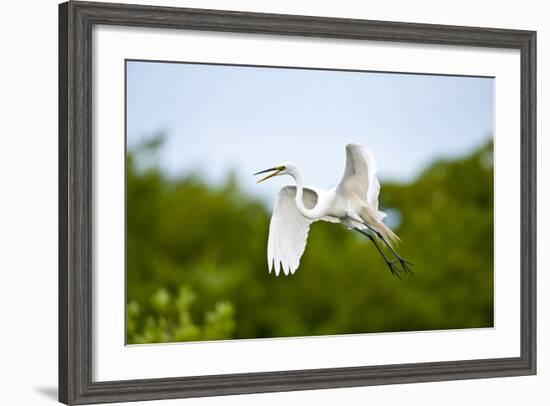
(288, 230)
(353, 202)
(360, 175)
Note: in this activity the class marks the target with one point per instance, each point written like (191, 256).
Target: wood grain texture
(63, 365)
(76, 20)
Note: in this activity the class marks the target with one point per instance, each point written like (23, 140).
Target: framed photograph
(258, 202)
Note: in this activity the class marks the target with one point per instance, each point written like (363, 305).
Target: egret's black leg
(391, 264)
(404, 263)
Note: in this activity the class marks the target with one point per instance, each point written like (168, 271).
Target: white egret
(353, 203)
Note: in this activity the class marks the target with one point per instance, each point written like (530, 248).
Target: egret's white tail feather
(373, 219)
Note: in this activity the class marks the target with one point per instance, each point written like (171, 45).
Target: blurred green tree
(196, 259)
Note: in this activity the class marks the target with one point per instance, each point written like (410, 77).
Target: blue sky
(222, 119)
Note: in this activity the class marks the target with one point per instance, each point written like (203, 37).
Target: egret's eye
(281, 168)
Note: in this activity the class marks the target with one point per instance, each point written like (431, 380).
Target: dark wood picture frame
(76, 20)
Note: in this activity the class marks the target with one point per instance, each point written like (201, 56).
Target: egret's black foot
(394, 269)
(406, 266)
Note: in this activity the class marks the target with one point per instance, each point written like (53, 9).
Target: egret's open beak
(268, 176)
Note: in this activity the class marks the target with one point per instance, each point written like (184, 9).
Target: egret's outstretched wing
(360, 176)
(288, 230)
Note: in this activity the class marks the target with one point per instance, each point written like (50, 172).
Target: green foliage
(197, 269)
(170, 319)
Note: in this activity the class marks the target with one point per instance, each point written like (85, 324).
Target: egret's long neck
(299, 194)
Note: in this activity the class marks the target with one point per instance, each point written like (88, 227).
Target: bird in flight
(353, 203)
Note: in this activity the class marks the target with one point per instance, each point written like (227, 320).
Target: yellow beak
(277, 171)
